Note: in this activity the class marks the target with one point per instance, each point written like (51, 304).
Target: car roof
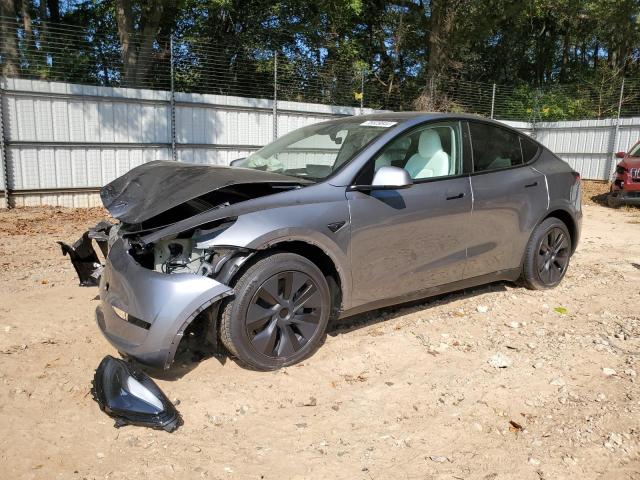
(401, 117)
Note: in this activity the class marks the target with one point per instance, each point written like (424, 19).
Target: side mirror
(620, 154)
(387, 178)
(234, 163)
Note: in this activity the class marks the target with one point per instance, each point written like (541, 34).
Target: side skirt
(510, 275)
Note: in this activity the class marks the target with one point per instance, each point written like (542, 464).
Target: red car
(625, 189)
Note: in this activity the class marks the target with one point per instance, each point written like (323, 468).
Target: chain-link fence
(67, 53)
(60, 141)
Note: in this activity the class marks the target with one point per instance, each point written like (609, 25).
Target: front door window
(427, 152)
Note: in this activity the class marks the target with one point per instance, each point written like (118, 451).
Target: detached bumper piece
(83, 256)
(127, 394)
(624, 197)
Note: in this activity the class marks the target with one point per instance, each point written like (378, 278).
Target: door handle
(454, 197)
(534, 184)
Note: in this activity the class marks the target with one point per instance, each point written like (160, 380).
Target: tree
(138, 27)
(9, 44)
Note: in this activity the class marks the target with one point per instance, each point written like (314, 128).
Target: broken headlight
(127, 394)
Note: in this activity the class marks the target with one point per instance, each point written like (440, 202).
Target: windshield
(316, 151)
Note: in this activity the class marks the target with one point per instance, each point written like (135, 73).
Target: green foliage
(551, 59)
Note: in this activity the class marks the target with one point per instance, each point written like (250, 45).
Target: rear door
(509, 196)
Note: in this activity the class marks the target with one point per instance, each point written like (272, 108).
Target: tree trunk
(436, 39)
(54, 10)
(124, 18)
(8, 39)
(44, 36)
(136, 46)
(565, 57)
(28, 29)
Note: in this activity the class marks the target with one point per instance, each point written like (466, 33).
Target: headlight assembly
(127, 394)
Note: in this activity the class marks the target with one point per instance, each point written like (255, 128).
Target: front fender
(308, 224)
(144, 313)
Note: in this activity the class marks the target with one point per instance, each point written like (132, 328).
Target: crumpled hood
(155, 187)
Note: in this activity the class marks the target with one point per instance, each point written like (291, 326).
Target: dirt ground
(408, 392)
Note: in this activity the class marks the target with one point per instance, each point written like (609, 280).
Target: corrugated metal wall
(589, 145)
(63, 141)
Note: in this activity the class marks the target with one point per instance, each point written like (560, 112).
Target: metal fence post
(362, 91)
(3, 152)
(174, 155)
(616, 131)
(493, 99)
(275, 95)
(535, 111)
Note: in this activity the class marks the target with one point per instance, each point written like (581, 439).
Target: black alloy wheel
(547, 255)
(279, 313)
(284, 314)
(553, 256)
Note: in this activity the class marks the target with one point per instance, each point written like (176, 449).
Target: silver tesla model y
(330, 220)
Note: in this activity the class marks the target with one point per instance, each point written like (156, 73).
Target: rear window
(494, 148)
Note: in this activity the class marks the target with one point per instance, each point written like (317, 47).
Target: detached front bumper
(144, 313)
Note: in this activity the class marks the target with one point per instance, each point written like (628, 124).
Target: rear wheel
(547, 255)
(279, 314)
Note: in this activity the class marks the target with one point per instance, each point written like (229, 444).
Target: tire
(547, 255)
(279, 313)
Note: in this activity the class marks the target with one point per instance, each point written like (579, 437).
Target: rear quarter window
(529, 149)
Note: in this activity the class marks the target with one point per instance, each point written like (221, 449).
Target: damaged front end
(159, 276)
(150, 293)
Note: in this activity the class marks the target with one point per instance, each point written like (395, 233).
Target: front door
(405, 241)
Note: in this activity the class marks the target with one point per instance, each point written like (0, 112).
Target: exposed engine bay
(193, 254)
(194, 190)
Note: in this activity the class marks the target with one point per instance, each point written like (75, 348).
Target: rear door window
(494, 148)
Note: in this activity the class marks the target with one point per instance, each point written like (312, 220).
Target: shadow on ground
(193, 350)
(601, 199)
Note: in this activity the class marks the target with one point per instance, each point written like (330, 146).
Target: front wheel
(547, 255)
(279, 313)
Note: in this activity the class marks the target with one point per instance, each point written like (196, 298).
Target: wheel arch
(321, 259)
(567, 218)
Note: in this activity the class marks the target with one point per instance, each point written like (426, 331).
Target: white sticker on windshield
(377, 123)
